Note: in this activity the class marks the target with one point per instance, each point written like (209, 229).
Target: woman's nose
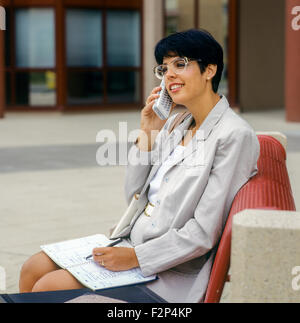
(170, 73)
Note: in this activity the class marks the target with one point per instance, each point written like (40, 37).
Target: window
(35, 43)
(123, 84)
(128, 39)
(31, 76)
(35, 88)
(98, 71)
(64, 54)
(85, 87)
(84, 38)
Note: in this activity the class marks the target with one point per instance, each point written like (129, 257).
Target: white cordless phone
(163, 105)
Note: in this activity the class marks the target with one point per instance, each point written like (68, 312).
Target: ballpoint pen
(110, 245)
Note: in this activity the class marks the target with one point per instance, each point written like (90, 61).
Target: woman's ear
(211, 71)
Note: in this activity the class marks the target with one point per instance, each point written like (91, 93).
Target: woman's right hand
(149, 119)
(151, 124)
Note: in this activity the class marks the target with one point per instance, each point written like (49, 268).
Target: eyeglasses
(178, 66)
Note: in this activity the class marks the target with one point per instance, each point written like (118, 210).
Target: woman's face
(187, 87)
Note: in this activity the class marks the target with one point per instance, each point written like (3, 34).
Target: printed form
(71, 255)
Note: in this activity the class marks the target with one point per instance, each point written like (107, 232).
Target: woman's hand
(116, 258)
(149, 120)
(151, 124)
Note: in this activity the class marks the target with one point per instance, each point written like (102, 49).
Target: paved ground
(52, 189)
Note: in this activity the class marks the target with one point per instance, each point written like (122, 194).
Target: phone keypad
(167, 102)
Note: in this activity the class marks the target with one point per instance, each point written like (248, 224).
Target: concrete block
(265, 257)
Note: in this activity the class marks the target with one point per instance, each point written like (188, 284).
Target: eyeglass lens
(177, 66)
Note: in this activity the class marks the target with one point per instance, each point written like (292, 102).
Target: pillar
(153, 32)
(292, 64)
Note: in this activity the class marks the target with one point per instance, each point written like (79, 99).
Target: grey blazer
(178, 242)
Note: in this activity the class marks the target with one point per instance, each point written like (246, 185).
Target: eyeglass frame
(186, 59)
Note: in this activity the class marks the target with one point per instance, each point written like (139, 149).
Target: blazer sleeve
(235, 162)
(140, 164)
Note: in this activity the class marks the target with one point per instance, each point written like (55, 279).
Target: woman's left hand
(116, 258)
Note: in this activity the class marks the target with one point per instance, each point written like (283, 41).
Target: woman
(187, 189)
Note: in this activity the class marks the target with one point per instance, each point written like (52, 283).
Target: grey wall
(261, 54)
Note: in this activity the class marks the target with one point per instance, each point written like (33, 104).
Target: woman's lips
(176, 87)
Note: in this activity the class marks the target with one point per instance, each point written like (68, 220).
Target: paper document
(71, 255)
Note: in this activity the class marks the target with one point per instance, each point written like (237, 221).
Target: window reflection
(123, 38)
(85, 87)
(35, 38)
(123, 86)
(36, 88)
(84, 37)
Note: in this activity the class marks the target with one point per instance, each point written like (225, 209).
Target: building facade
(69, 55)
(62, 55)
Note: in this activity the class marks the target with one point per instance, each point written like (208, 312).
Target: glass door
(84, 56)
(73, 53)
(103, 56)
(123, 56)
(34, 75)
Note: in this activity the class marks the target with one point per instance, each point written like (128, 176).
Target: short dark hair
(193, 43)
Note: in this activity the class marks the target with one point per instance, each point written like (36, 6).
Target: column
(153, 31)
(292, 61)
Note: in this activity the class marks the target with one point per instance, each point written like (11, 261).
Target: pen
(110, 245)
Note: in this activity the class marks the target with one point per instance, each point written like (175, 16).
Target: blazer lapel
(205, 130)
(190, 149)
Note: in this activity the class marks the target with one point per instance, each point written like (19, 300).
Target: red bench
(269, 189)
